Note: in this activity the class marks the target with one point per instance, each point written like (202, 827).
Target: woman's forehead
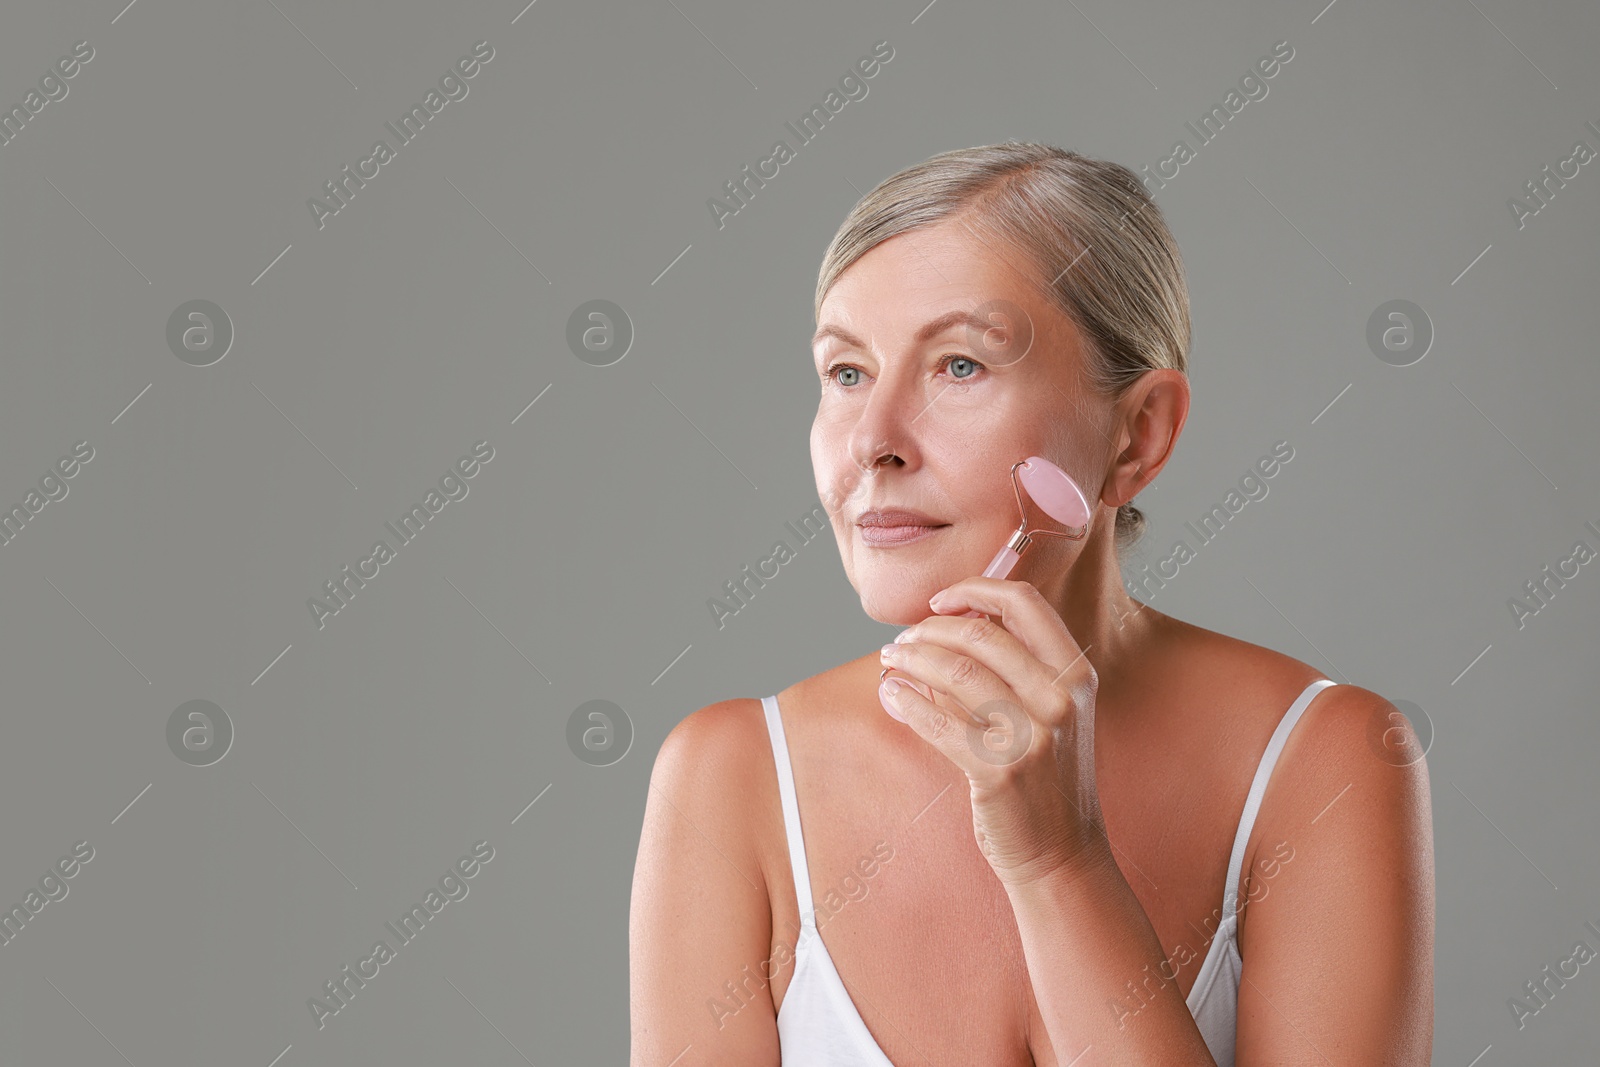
(1002, 320)
(913, 277)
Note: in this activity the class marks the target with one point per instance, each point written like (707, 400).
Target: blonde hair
(1127, 295)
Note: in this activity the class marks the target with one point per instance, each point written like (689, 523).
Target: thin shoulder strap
(1258, 787)
(791, 810)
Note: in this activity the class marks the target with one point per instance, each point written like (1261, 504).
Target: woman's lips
(889, 536)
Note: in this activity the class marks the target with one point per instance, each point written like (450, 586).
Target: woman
(1056, 843)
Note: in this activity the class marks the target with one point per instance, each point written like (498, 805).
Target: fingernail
(888, 651)
(885, 692)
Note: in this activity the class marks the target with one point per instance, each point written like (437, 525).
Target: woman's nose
(869, 460)
(883, 433)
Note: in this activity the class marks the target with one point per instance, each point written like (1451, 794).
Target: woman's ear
(1151, 415)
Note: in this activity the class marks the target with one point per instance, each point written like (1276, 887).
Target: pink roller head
(1057, 495)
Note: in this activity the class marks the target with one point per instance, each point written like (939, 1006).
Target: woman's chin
(899, 609)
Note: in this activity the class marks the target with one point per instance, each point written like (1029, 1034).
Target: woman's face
(930, 418)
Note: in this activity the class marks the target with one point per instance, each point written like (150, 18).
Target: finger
(920, 687)
(945, 641)
(1026, 614)
(965, 680)
(1008, 647)
(980, 751)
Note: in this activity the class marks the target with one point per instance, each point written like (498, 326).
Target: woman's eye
(961, 369)
(954, 362)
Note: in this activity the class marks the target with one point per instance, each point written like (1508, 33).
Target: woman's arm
(1085, 937)
(1338, 950)
(700, 923)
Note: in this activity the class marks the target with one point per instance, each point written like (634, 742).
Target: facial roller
(1057, 495)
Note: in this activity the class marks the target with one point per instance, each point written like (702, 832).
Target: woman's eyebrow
(928, 330)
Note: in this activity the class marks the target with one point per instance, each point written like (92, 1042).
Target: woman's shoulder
(716, 773)
(730, 731)
(1254, 676)
(725, 747)
(1347, 733)
(715, 742)
(718, 769)
(1345, 729)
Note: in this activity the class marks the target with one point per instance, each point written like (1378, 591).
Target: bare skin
(1337, 940)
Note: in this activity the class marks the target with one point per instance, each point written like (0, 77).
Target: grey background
(431, 711)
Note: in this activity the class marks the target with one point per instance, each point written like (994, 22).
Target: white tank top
(818, 1024)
